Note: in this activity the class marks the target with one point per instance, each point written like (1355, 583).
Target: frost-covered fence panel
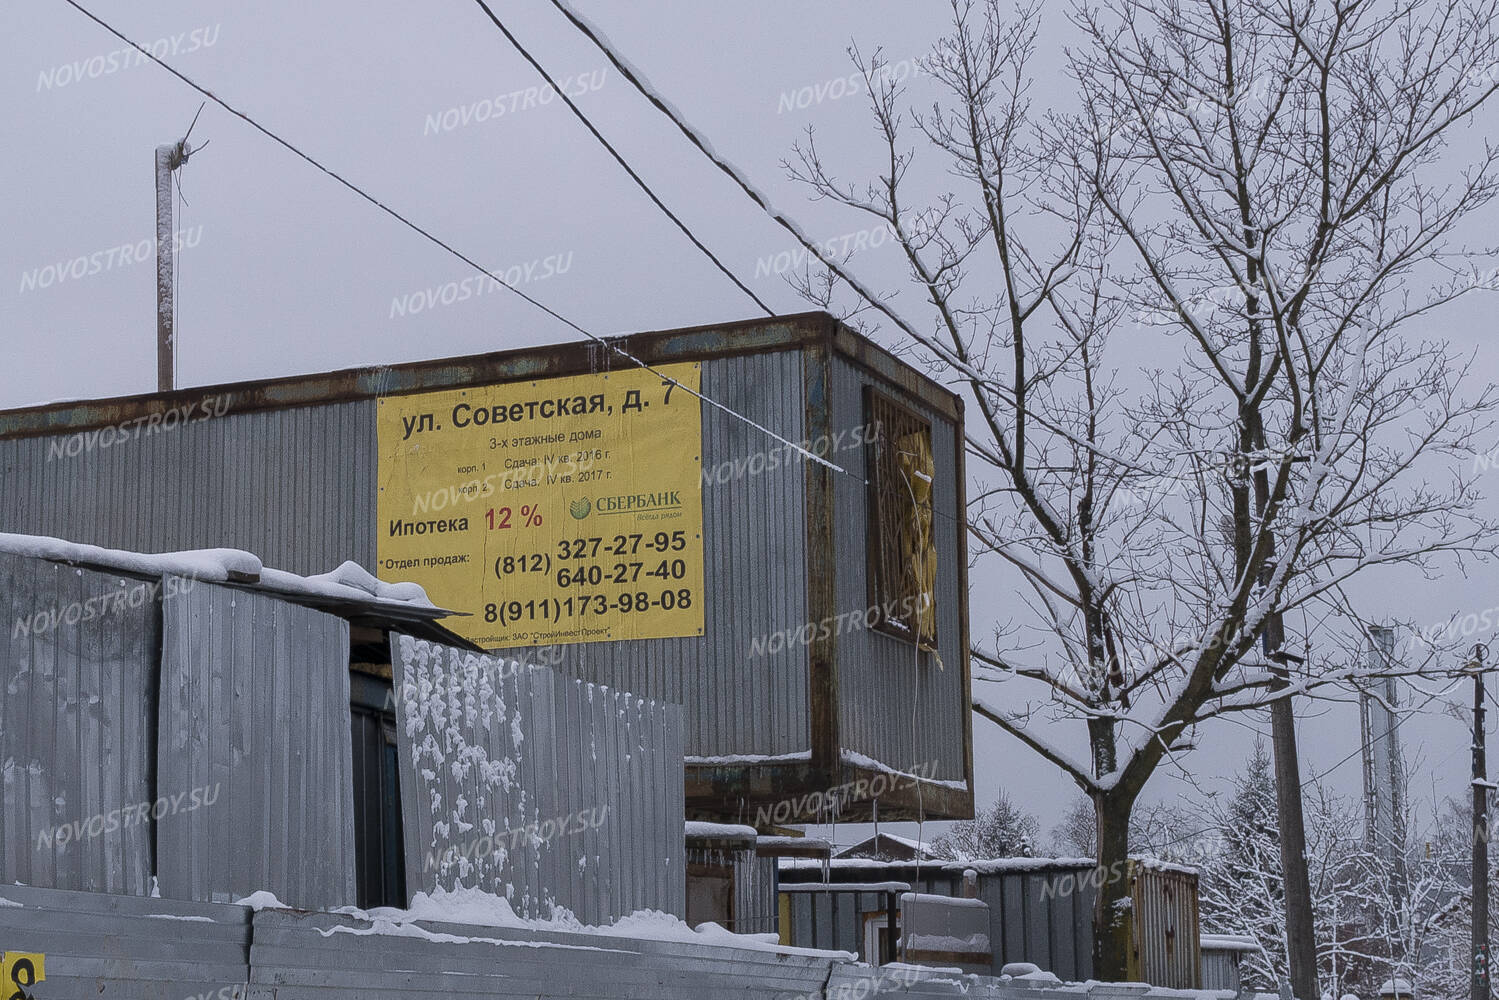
(548, 791)
(77, 683)
(255, 753)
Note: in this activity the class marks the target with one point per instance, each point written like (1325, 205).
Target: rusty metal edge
(737, 790)
(708, 341)
(822, 569)
(965, 650)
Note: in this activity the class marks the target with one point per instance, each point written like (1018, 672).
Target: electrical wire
(618, 157)
(703, 146)
(438, 241)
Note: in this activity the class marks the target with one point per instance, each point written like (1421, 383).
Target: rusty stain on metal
(694, 343)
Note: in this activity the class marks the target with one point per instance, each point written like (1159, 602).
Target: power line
(438, 241)
(619, 158)
(637, 79)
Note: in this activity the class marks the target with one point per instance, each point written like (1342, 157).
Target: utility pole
(1301, 944)
(1480, 981)
(168, 159)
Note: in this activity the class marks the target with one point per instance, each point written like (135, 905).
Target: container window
(902, 543)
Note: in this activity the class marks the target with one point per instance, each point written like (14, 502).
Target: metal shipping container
(288, 468)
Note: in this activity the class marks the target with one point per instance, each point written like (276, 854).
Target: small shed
(1040, 910)
(1222, 954)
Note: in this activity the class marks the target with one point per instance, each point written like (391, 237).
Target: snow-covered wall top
(348, 582)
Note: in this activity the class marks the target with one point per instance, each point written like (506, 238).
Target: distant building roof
(888, 847)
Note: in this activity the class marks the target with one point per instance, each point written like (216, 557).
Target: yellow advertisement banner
(556, 511)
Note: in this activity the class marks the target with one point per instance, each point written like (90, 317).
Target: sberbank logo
(580, 508)
(638, 503)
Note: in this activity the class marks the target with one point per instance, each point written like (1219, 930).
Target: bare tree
(1076, 833)
(1263, 186)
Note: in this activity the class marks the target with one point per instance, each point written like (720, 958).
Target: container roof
(755, 336)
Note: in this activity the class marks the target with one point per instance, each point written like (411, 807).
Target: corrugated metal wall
(834, 920)
(755, 540)
(755, 884)
(1041, 914)
(1166, 935)
(305, 957)
(135, 949)
(295, 487)
(124, 948)
(298, 488)
(76, 726)
(537, 787)
(255, 721)
(892, 707)
(1220, 970)
(1043, 917)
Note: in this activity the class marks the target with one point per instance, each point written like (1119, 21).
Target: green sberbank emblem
(580, 508)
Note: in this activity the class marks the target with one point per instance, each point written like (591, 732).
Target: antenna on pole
(168, 159)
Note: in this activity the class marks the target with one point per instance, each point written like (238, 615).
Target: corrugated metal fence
(1166, 933)
(136, 948)
(126, 947)
(1040, 910)
(254, 750)
(537, 787)
(77, 721)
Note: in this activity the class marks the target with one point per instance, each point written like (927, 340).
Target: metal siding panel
(72, 697)
(754, 579)
(273, 772)
(873, 723)
(497, 735)
(280, 482)
(119, 946)
(298, 487)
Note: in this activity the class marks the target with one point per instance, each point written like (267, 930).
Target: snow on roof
(1157, 864)
(844, 887)
(856, 759)
(720, 831)
(985, 867)
(747, 758)
(349, 582)
(1229, 942)
(991, 866)
(940, 900)
(211, 565)
(808, 843)
(915, 845)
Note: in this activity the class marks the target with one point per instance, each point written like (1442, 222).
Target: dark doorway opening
(379, 849)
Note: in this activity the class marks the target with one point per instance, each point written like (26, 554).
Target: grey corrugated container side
(286, 468)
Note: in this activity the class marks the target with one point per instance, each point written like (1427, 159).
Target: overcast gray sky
(283, 271)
